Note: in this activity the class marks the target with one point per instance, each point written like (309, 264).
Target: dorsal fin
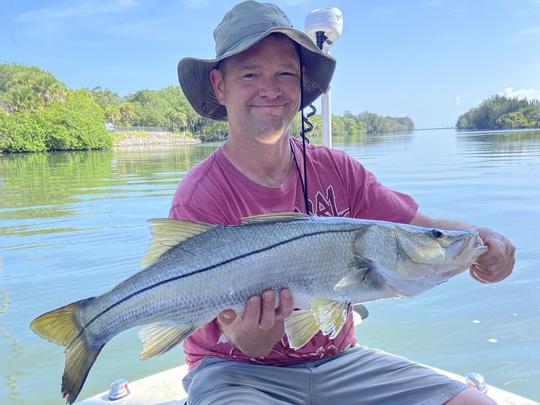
(167, 233)
(280, 216)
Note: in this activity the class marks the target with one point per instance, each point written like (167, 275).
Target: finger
(227, 317)
(286, 303)
(252, 314)
(491, 274)
(500, 255)
(495, 251)
(474, 274)
(268, 306)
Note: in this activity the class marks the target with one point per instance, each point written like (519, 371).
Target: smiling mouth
(268, 105)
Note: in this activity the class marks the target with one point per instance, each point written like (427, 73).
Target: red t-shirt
(215, 192)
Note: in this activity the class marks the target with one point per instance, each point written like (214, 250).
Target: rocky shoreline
(151, 138)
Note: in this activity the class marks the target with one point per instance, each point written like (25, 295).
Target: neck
(266, 163)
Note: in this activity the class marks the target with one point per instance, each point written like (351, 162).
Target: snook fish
(193, 271)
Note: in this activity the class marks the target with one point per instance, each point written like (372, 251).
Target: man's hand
(261, 325)
(497, 263)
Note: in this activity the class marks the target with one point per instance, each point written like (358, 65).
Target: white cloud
(528, 94)
(458, 99)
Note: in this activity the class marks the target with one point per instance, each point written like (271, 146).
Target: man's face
(260, 87)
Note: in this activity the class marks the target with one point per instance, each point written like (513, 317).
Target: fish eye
(437, 234)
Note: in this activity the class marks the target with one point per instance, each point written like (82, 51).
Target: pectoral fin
(159, 338)
(360, 269)
(325, 315)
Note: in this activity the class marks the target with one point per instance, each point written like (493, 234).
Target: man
(257, 83)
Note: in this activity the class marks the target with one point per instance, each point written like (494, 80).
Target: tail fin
(62, 327)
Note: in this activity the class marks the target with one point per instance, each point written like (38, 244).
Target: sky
(431, 60)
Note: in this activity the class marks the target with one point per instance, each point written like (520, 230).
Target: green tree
(76, 124)
(485, 116)
(28, 88)
(21, 131)
(105, 97)
(514, 119)
(178, 120)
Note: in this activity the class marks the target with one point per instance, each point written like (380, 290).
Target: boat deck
(165, 388)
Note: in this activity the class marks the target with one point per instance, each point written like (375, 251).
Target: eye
(288, 74)
(437, 234)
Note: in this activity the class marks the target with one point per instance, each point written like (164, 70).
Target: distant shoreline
(150, 138)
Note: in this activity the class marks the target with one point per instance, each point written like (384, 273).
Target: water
(74, 224)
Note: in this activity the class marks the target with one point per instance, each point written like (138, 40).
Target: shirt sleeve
(370, 199)
(186, 212)
(195, 201)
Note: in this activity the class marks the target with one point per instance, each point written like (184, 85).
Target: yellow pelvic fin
(330, 315)
(325, 315)
(167, 233)
(280, 216)
(158, 338)
(300, 327)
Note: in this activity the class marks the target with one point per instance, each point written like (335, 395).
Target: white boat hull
(165, 388)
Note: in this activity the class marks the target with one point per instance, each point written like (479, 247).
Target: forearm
(428, 222)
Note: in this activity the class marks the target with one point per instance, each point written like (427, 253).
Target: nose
(269, 87)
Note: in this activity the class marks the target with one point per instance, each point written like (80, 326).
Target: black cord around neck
(304, 181)
(304, 191)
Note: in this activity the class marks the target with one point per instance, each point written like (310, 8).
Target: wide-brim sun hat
(242, 27)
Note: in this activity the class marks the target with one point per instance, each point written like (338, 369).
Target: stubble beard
(273, 124)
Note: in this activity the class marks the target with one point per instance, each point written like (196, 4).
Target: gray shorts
(358, 376)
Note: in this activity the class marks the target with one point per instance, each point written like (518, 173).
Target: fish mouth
(472, 250)
(479, 248)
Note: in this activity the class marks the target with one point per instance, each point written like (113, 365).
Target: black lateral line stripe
(225, 262)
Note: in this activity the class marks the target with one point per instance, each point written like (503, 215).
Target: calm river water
(74, 224)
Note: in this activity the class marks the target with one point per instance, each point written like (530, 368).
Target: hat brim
(194, 74)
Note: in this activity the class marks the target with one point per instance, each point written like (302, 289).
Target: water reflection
(38, 186)
(500, 144)
(373, 139)
(160, 160)
(49, 181)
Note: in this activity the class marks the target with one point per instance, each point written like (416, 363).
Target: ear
(216, 79)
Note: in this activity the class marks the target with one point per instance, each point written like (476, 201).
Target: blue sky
(429, 59)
